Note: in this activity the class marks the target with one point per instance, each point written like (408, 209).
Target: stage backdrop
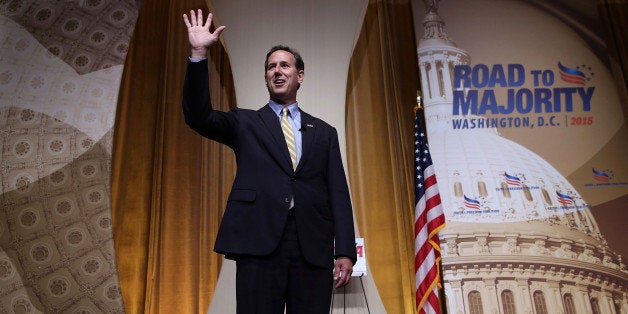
(60, 69)
(529, 142)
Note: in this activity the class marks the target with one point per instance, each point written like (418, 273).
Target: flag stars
(428, 219)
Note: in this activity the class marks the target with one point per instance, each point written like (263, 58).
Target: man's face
(282, 77)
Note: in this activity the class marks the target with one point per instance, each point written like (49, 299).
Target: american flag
(428, 220)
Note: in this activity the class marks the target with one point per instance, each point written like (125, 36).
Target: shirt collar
(293, 108)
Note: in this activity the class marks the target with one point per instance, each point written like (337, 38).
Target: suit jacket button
(287, 200)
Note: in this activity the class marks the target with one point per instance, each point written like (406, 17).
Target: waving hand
(198, 33)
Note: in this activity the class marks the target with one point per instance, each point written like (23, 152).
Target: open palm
(198, 32)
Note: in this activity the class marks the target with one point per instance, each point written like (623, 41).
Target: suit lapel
(279, 149)
(308, 132)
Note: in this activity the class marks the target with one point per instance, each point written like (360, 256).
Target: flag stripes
(429, 219)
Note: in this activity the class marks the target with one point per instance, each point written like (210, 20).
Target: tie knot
(285, 111)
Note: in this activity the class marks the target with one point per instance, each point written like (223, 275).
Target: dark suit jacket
(265, 182)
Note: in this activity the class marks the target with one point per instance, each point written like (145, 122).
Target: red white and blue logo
(512, 180)
(602, 176)
(579, 75)
(565, 199)
(471, 203)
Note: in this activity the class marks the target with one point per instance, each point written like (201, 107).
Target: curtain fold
(163, 174)
(614, 16)
(381, 94)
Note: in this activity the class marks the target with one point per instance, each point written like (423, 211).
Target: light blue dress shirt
(295, 120)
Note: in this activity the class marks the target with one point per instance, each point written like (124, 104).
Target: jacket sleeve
(344, 233)
(197, 106)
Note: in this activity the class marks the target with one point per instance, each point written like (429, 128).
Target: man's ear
(300, 76)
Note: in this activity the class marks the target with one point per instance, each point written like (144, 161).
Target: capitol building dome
(519, 238)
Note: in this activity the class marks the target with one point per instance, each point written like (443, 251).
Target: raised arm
(199, 35)
(196, 100)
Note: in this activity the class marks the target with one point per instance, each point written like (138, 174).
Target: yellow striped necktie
(286, 127)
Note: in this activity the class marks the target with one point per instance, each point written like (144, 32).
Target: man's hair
(298, 61)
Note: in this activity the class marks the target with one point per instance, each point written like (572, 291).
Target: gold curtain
(381, 93)
(163, 174)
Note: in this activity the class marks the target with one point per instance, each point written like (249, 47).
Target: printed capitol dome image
(519, 237)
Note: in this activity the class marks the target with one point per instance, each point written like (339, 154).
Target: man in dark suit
(288, 220)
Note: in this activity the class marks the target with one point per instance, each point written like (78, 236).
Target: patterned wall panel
(60, 69)
(55, 230)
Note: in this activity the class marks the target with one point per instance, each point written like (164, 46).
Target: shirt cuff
(194, 60)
